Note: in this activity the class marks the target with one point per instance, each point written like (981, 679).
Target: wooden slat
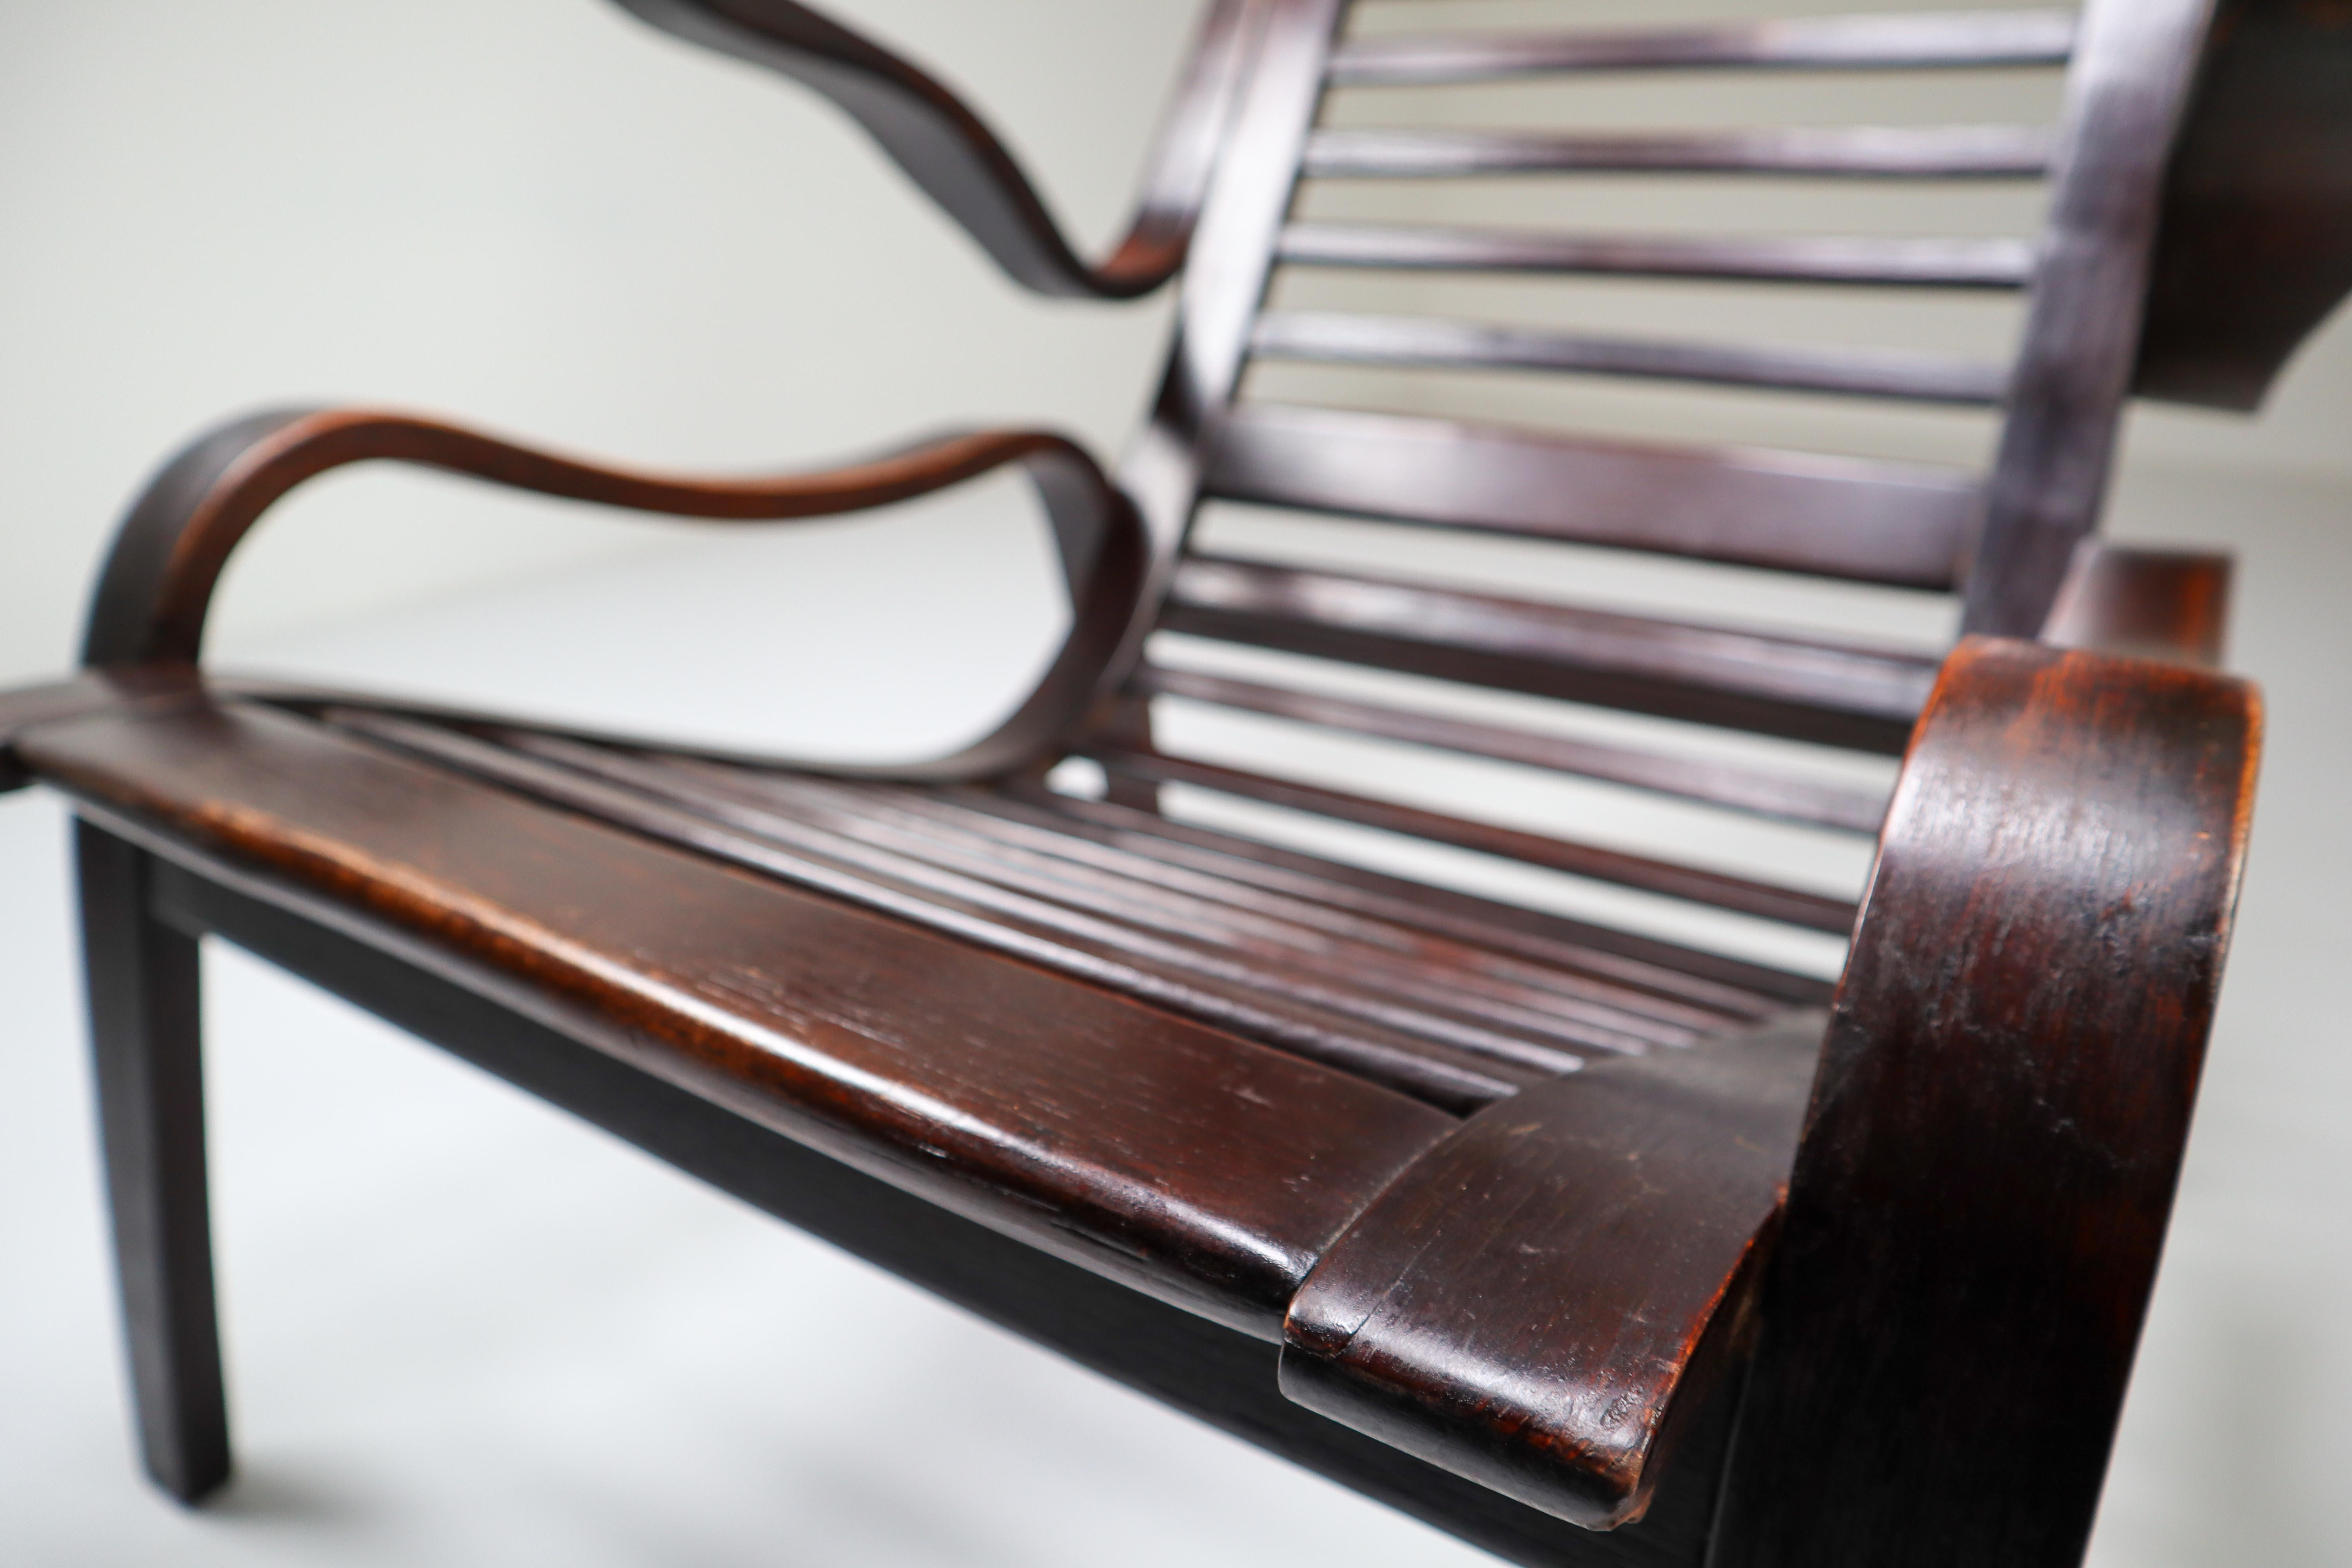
(1447, 1062)
(1958, 39)
(1854, 151)
(1838, 517)
(1733, 986)
(1438, 343)
(1839, 694)
(991, 820)
(1747, 789)
(1284, 940)
(1899, 262)
(1739, 894)
(1195, 1166)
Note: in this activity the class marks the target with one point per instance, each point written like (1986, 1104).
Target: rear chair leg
(144, 1030)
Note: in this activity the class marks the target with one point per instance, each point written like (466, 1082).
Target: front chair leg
(144, 1028)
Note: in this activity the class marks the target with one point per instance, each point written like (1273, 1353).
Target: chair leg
(144, 1030)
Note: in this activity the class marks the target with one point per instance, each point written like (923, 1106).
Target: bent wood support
(956, 161)
(156, 590)
(145, 1037)
(1989, 1162)
(1499, 1188)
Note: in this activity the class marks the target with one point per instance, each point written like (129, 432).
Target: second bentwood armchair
(1585, 1245)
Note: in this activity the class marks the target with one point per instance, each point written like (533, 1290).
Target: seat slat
(1892, 262)
(1745, 789)
(1452, 1064)
(1942, 40)
(1204, 1169)
(1733, 987)
(1278, 937)
(1337, 337)
(1903, 525)
(1739, 894)
(997, 820)
(1859, 152)
(1839, 694)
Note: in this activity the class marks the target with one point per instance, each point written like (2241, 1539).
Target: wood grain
(1901, 523)
(1197, 1167)
(156, 589)
(1964, 39)
(1975, 1213)
(1529, 1304)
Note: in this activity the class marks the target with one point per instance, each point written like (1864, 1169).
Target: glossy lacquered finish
(1988, 1161)
(1503, 1191)
(1539, 1297)
(158, 583)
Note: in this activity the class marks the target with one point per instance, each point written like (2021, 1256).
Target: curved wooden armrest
(1976, 1212)
(961, 164)
(157, 587)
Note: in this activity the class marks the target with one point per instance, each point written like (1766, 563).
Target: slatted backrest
(1996, 535)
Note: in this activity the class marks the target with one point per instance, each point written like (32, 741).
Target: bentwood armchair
(1588, 1243)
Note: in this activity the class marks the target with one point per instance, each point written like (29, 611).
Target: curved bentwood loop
(157, 587)
(961, 164)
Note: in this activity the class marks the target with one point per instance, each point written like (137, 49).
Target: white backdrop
(465, 1332)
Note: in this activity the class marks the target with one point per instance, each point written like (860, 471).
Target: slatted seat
(1595, 1224)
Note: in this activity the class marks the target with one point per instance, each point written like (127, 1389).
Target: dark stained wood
(1192, 1166)
(1149, 1091)
(157, 587)
(1861, 151)
(2146, 603)
(144, 1016)
(1975, 1215)
(91, 691)
(1248, 203)
(1838, 517)
(1297, 944)
(1718, 783)
(1735, 988)
(956, 161)
(1436, 341)
(1317, 1005)
(2254, 249)
(1762, 899)
(1207, 1371)
(1165, 892)
(1899, 263)
(1842, 694)
(1952, 40)
(1510, 1309)
(2090, 287)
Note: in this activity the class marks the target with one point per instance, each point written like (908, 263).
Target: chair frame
(1905, 1326)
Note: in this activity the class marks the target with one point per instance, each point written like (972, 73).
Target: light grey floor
(465, 1331)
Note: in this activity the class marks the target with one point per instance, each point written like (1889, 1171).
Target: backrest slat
(1839, 694)
(1741, 895)
(1750, 789)
(1960, 40)
(1938, 263)
(1335, 337)
(1872, 151)
(1838, 517)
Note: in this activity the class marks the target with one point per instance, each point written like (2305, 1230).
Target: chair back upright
(1297, 434)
